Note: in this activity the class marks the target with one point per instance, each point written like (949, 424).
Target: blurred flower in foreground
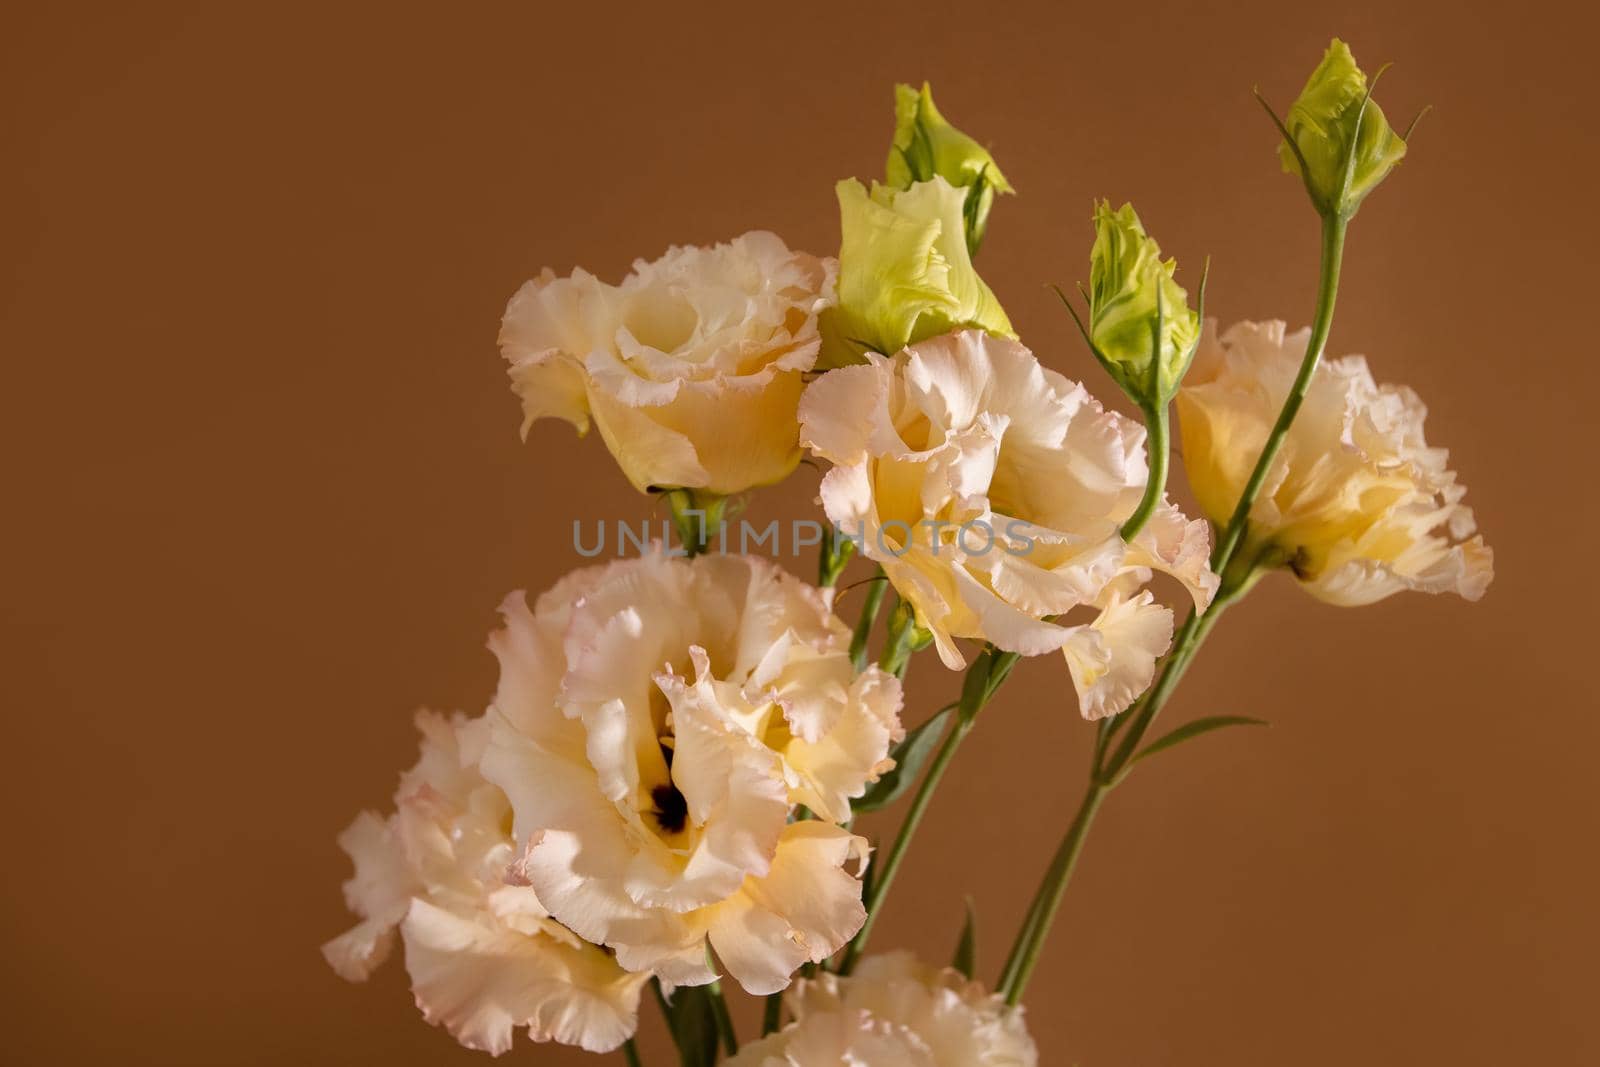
(484, 957)
(657, 722)
(904, 272)
(895, 1011)
(991, 491)
(926, 145)
(1131, 293)
(1356, 503)
(1336, 139)
(691, 367)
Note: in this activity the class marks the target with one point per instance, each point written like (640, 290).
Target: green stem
(1106, 773)
(1025, 936)
(724, 1021)
(902, 842)
(897, 649)
(877, 585)
(1188, 640)
(630, 1053)
(985, 675)
(1104, 776)
(833, 557)
(1333, 232)
(1223, 558)
(695, 518)
(670, 1019)
(772, 1015)
(1030, 922)
(1025, 954)
(1156, 421)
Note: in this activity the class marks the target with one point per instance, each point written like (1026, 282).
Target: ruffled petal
(480, 982)
(1113, 659)
(805, 908)
(380, 892)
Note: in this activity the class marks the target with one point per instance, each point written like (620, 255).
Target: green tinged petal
(904, 272)
(926, 145)
(1131, 291)
(1323, 124)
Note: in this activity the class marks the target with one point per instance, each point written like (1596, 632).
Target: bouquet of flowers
(661, 795)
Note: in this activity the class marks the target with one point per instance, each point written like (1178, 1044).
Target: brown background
(263, 491)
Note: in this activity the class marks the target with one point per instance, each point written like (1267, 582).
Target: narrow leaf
(1194, 729)
(1407, 138)
(909, 757)
(966, 959)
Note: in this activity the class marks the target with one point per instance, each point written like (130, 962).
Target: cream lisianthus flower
(895, 1011)
(991, 491)
(657, 722)
(484, 957)
(691, 367)
(1356, 503)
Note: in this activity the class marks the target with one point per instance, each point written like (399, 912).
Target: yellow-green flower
(926, 145)
(1132, 295)
(1346, 151)
(904, 272)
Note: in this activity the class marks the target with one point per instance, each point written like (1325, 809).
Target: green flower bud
(1345, 150)
(1137, 313)
(904, 272)
(926, 145)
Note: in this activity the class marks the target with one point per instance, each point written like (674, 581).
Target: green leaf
(1193, 729)
(966, 959)
(909, 756)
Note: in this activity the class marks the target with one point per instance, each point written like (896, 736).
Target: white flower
(691, 367)
(484, 957)
(895, 1011)
(992, 490)
(657, 722)
(1356, 503)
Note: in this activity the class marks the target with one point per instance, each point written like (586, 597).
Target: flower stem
(1156, 421)
(1333, 231)
(1110, 767)
(1025, 954)
(1223, 558)
(696, 517)
(1030, 922)
(724, 1021)
(630, 1054)
(877, 585)
(1190, 636)
(897, 648)
(772, 1014)
(985, 675)
(833, 557)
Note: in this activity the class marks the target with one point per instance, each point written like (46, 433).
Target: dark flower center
(671, 810)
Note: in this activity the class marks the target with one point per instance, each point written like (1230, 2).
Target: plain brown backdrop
(263, 491)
